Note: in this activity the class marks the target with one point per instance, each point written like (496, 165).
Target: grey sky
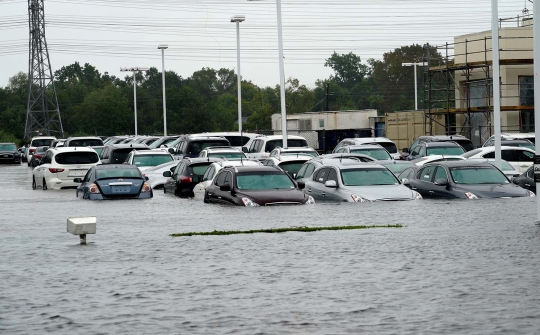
(110, 34)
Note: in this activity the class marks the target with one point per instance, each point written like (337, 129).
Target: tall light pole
(237, 19)
(163, 47)
(496, 81)
(536, 55)
(415, 82)
(134, 70)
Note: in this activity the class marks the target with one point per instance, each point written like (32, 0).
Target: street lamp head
(163, 46)
(238, 18)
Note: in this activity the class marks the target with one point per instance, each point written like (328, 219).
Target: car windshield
(471, 175)
(228, 155)
(263, 181)
(68, 158)
(445, 151)
(390, 147)
(151, 160)
(368, 177)
(398, 168)
(8, 147)
(85, 142)
(303, 153)
(98, 150)
(378, 154)
(118, 173)
(291, 167)
(41, 142)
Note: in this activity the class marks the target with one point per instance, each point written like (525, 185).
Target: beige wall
(332, 120)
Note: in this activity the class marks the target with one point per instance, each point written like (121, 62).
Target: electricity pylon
(42, 113)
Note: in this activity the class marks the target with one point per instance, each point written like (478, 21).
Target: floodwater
(457, 267)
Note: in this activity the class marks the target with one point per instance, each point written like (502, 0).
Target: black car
(526, 180)
(254, 186)
(306, 170)
(188, 173)
(113, 181)
(463, 179)
(9, 153)
(117, 153)
(37, 156)
(191, 146)
(459, 139)
(436, 148)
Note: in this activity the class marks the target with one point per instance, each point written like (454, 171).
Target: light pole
(163, 47)
(237, 19)
(415, 82)
(134, 70)
(281, 74)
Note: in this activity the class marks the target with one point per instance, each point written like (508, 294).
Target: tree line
(92, 103)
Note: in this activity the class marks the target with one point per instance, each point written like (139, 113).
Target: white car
(386, 143)
(290, 164)
(212, 171)
(60, 166)
(228, 153)
(436, 158)
(302, 151)
(522, 136)
(236, 138)
(519, 157)
(38, 141)
(145, 159)
(155, 174)
(260, 147)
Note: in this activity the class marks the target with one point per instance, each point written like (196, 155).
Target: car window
(253, 146)
(68, 158)
(422, 151)
(228, 178)
(426, 173)
(199, 169)
(472, 153)
(88, 175)
(302, 171)
(85, 142)
(179, 168)
(220, 178)
(406, 174)
(309, 170)
(321, 175)
(440, 173)
(209, 173)
(524, 156)
(530, 173)
(332, 175)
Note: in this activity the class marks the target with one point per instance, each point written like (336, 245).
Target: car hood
(274, 197)
(382, 192)
(494, 190)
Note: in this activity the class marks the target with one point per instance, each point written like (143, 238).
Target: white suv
(60, 166)
(260, 147)
(38, 141)
(386, 143)
(145, 159)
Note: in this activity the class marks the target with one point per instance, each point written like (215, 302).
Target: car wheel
(34, 183)
(44, 185)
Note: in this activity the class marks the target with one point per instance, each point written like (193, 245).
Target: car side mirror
(515, 180)
(225, 187)
(245, 150)
(146, 178)
(406, 182)
(172, 151)
(405, 150)
(167, 174)
(301, 185)
(441, 182)
(330, 183)
(77, 180)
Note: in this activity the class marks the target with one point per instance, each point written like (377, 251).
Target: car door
(83, 188)
(42, 170)
(423, 182)
(441, 191)
(333, 194)
(214, 193)
(170, 184)
(316, 187)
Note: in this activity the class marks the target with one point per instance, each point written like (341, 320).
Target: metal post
(164, 100)
(415, 89)
(536, 47)
(282, 76)
(496, 81)
(135, 99)
(239, 77)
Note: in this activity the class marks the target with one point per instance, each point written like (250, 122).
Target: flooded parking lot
(467, 267)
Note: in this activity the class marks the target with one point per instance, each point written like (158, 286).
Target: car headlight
(249, 203)
(357, 198)
(417, 196)
(310, 200)
(470, 195)
(531, 193)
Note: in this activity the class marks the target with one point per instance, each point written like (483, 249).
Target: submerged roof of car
(72, 149)
(443, 144)
(461, 163)
(255, 168)
(346, 164)
(116, 166)
(133, 146)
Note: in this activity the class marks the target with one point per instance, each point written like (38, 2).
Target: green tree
(348, 69)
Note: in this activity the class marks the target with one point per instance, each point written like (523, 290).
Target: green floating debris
(281, 230)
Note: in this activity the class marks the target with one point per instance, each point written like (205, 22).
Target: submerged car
(349, 181)
(254, 186)
(9, 153)
(463, 179)
(188, 173)
(526, 180)
(113, 181)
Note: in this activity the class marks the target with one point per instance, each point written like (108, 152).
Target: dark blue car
(113, 181)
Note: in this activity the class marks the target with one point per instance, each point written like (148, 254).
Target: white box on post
(82, 226)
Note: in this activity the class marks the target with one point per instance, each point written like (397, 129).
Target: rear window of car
(199, 169)
(195, 147)
(237, 141)
(118, 173)
(466, 144)
(41, 143)
(68, 158)
(291, 167)
(85, 143)
(272, 144)
(445, 151)
(378, 154)
(151, 160)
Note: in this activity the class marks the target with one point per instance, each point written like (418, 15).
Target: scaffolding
(458, 82)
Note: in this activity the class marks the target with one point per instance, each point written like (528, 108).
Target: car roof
(366, 146)
(72, 149)
(503, 147)
(279, 137)
(442, 144)
(116, 166)
(254, 168)
(369, 139)
(465, 162)
(352, 164)
(128, 145)
(222, 149)
(151, 151)
(443, 137)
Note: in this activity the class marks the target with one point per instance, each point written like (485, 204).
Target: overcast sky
(110, 34)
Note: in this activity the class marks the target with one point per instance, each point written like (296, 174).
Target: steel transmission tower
(42, 114)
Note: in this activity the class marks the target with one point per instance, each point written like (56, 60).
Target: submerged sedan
(348, 181)
(463, 179)
(113, 181)
(254, 186)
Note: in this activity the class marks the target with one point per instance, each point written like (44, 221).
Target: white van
(261, 146)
